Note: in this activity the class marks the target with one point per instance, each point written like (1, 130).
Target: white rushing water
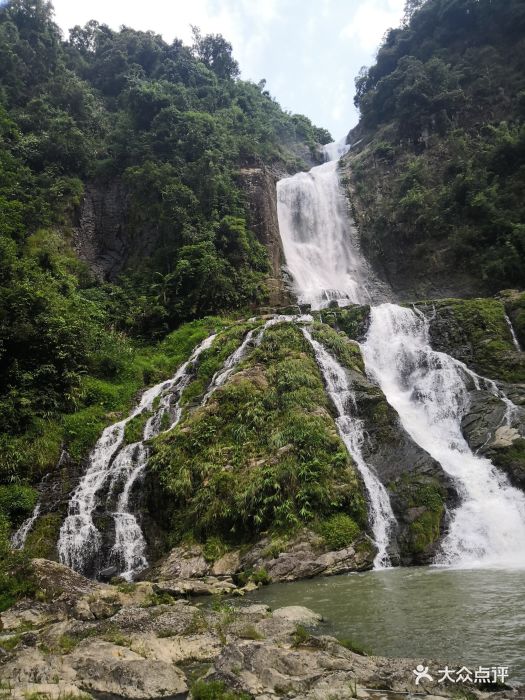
(351, 431)
(252, 339)
(515, 340)
(113, 466)
(18, 539)
(428, 389)
(221, 377)
(320, 241)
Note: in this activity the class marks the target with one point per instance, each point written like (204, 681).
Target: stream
(466, 617)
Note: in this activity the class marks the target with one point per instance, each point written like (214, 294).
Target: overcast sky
(309, 51)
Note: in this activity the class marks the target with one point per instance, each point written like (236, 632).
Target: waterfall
(111, 464)
(515, 340)
(320, 241)
(252, 339)
(351, 431)
(18, 539)
(220, 377)
(336, 149)
(428, 389)
(129, 550)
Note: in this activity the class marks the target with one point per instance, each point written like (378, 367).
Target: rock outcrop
(259, 184)
(148, 650)
(101, 237)
(304, 555)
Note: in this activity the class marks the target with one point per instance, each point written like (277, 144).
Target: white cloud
(308, 50)
(370, 21)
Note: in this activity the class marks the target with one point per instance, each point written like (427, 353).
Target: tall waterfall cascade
(428, 389)
(319, 240)
(352, 433)
(114, 468)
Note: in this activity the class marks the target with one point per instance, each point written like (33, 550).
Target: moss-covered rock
(514, 302)
(422, 500)
(42, 539)
(511, 460)
(263, 453)
(352, 320)
(475, 331)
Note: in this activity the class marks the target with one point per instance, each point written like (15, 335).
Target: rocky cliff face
(101, 237)
(397, 262)
(259, 185)
(104, 239)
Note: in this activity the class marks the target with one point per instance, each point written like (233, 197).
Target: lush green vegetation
(423, 499)
(215, 690)
(515, 306)
(263, 454)
(15, 571)
(476, 332)
(440, 176)
(172, 125)
(338, 531)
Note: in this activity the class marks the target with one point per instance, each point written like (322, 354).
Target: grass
(134, 430)
(212, 360)
(66, 644)
(346, 351)
(261, 576)
(338, 531)
(300, 636)
(107, 393)
(42, 538)
(350, 319)
(354, 646)
(264, 454)
(215, 690)
(115, 636)
(126, 587)
(479, 324)
(10, 643)
(214, 548)
(61, 696)
(250, 632)
(154, 599)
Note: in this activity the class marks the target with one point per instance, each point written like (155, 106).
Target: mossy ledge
(263, 454)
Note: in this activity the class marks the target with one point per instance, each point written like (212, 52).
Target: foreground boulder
(303, 555)
(147, 650)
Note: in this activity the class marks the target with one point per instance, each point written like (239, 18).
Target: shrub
(338, 531)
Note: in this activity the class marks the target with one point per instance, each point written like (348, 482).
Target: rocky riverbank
(84, 639)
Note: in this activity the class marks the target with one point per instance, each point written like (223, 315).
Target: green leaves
(264, 452)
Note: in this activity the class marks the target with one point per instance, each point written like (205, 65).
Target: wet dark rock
(108, 573)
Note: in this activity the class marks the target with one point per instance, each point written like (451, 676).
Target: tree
(411, 7)
(216, 54)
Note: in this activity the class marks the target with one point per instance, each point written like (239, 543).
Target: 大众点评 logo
(481, 674)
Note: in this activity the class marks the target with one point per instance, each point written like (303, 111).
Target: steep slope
(136, 185)
(437, 163)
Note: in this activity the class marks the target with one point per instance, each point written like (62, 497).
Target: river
(467, 617)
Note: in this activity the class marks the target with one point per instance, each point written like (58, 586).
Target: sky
(309, 51)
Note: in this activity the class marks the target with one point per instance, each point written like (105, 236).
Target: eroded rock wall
(259, 184)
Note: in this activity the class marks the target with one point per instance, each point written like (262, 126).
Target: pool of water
(468, 617)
